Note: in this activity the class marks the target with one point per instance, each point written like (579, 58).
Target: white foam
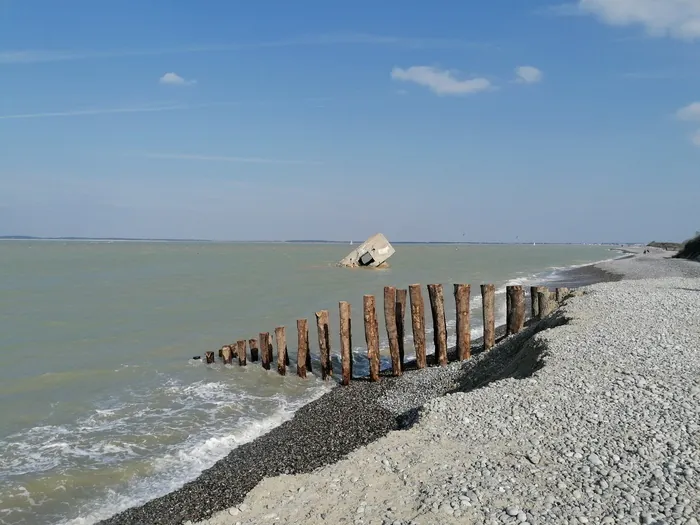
(174, 469)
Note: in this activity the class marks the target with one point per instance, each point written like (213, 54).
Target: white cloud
(528, 75)
(174, 79)
(689, 112)
(675, 18)
(440, 81)
(695, 138)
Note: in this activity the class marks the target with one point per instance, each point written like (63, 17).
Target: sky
(498, 120)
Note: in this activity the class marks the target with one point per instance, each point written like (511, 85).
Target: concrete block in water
(372, 253)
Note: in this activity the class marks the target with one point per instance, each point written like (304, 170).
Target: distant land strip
(293, 241)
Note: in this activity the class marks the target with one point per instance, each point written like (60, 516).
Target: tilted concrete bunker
(373, 253)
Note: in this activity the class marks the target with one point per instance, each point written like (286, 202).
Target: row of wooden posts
(543, 302)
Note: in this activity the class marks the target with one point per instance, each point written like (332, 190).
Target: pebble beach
(589, 416)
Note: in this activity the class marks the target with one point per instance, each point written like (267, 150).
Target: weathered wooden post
(561, 294)
(515, 315)
(345, 342)
(488, 292)
(303, 346)
(545, 306)
(308, 350)
(227, 354)
(437, 307)
(240, 348)
(371, 336)
(324, 344)
(508, 307)
(400, 318)
(391, 331)
(534, 301)
(418, 323)
(264, 346)
(253, 344)
(209, 357)
(464, 333)
(281, 340)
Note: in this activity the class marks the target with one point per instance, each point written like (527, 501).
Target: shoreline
(593, 419)
(326, 430)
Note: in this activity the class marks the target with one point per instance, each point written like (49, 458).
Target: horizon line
(293, 241)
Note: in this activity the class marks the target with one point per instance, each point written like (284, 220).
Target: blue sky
(444, 120)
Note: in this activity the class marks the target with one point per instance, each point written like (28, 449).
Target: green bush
(691, 249)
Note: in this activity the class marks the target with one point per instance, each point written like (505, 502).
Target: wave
(127, 453)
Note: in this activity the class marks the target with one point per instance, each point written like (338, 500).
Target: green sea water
(101, 404)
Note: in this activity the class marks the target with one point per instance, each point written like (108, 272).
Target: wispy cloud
(106, 111)
(528, 75)
(173, 79)
(220, 158)
(695, 138)
(36, 56)
(690, 112)
(440, 81)
(673, 18)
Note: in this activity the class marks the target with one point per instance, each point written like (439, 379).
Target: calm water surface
(100, 403)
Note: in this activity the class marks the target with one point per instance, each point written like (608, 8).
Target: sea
(102, 404)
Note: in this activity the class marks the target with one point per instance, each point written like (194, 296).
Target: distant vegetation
(675, 246)
(691, 249)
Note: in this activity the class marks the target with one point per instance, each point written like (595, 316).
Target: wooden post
(418, 323)
(515, 316)
(544, 299)
(400, 318)
(561, 294)
(253, 344)
(437, 307)
(391, 331)
(324, 344)
(264, 346)
(227, 355)
(240, 347)
(209, 356)
(371, 336)
(488, 292)
(308, 350)
(464, 333)
(303, 345)
(281, 339)
(345, 342)
(508, 307)
(534, 302)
